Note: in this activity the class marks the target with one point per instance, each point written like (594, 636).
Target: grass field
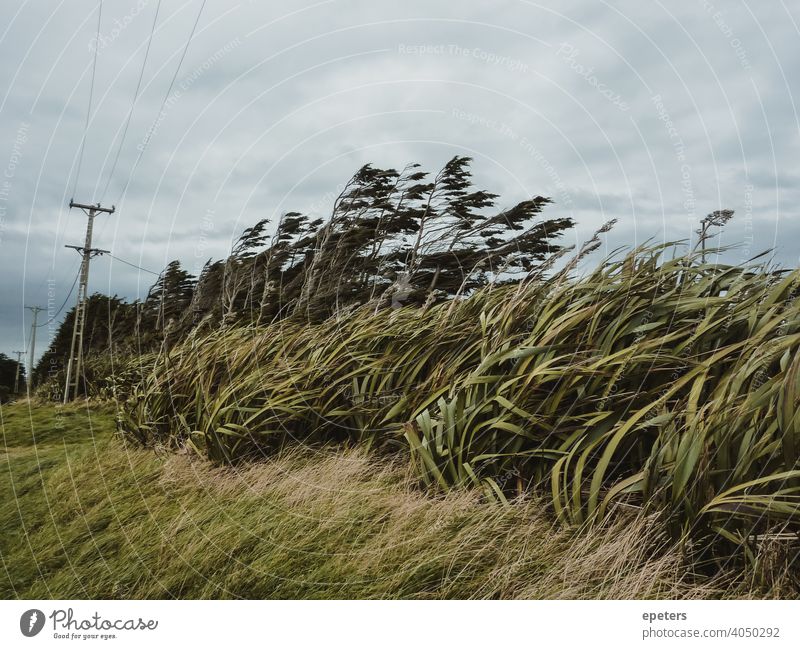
(83, 515)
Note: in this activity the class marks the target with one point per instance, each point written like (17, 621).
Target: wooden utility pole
(75, 361)
(16, 374)
(35, 310)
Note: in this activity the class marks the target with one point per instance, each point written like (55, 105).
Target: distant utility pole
(35, 310)
(87, 252)
(16, 375)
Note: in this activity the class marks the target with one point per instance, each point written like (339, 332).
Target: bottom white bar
(406, 624)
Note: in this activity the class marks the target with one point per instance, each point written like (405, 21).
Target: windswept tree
(391, 234)
(424, 239)
(717, 219)
(280, 268)
(170, 296)
(239, 271)
(392, 237)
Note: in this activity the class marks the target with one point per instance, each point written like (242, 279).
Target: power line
(163, 103)
(66, 299)
(133, 103)
(133, 265)
(75, 281)
(91, 95)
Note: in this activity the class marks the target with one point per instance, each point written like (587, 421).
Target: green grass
(83, 515)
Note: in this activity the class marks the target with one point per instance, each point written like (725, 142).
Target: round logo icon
(31, 622)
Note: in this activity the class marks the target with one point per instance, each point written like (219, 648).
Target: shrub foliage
(666, 384)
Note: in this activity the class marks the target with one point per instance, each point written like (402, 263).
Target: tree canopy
(392, 238)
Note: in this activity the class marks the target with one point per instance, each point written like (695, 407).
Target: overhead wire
(125, 129)
(133, 103)
(64, 303)
(133, 265)
(91, 95)
(163, 103)
(75, 281)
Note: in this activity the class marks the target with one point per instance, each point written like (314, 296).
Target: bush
(669, 385)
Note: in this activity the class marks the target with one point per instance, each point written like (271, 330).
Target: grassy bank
(84, 515)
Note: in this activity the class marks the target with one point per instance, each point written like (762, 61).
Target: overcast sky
(651, 113)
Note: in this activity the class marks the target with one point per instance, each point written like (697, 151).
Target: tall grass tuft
(666, 384)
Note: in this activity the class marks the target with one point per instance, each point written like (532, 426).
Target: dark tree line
(392, 238)
(11, 371)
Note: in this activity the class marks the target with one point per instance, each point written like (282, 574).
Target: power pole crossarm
(75, 360)
(94, 251)
(92, 208)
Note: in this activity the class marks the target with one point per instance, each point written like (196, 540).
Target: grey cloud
(276, 105)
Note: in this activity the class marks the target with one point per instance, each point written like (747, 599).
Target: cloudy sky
(651, 113)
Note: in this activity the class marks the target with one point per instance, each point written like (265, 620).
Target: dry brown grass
(393, 531)
(91, 517)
